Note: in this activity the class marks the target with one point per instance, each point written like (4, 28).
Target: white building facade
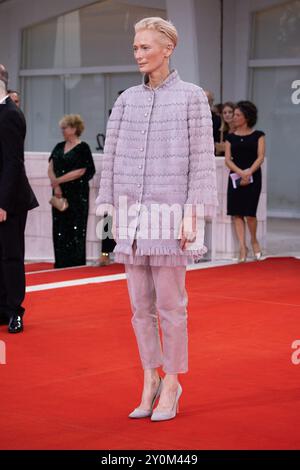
(70, 56)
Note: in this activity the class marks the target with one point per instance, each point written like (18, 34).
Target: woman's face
(227, 114)
(239, 118)
(68, 131)
(150, 52)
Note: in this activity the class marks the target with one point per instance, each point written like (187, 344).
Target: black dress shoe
(15, 324)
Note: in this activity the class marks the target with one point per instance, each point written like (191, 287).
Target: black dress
(244, 199)
(69, 227)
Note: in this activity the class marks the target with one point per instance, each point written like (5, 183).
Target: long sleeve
(12, 142)
(105, 195)
(86, 161)
(202, 185)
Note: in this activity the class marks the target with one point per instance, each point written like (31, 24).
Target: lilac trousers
(158, 295)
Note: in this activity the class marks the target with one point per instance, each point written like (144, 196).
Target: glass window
(277, 32)
(97, 35)
(47, 99)
(38, 44)
(107, 32)
(279, 118)
(43, 101)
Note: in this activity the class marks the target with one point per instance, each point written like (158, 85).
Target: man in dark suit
(16, 198)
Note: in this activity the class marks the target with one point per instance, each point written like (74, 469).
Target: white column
(185, 57)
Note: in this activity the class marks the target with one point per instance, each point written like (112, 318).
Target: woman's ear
(170, 49)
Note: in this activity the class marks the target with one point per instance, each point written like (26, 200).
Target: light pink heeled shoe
(139, 412)
(166, 415)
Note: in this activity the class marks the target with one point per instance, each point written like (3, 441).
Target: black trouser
(12, 271)
(108, 243)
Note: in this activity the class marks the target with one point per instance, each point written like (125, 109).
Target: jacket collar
(171, 79)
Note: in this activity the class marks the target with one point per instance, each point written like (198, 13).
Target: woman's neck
(231, 127)
(72, 140)
(157, 77)
(243, 130)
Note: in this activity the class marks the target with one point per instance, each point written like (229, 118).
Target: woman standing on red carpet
(244, 155)
(159, 182)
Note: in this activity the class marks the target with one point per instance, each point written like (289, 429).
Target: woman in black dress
(71, 166)
(244, 154)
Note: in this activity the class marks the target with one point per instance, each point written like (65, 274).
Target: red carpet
(31, 267)
(59, 275)
(73, 376)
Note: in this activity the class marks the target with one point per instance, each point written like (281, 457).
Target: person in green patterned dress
(71, 166)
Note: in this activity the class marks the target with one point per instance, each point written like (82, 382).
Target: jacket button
(142, 149)
(139, 185)
(146, 114)
(140, 167)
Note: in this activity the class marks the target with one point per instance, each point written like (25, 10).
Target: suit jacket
(16, 195)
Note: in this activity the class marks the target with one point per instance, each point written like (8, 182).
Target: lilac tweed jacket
(159, 151)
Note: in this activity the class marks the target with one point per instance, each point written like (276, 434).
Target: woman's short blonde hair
(155, 23)
(73, 120)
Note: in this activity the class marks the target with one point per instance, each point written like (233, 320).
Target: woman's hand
(245, 182)
(3, 215)
(245, 175)
(188, 231)
(58, 191)
(54, 182)
(248, 172)
(242, 174)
